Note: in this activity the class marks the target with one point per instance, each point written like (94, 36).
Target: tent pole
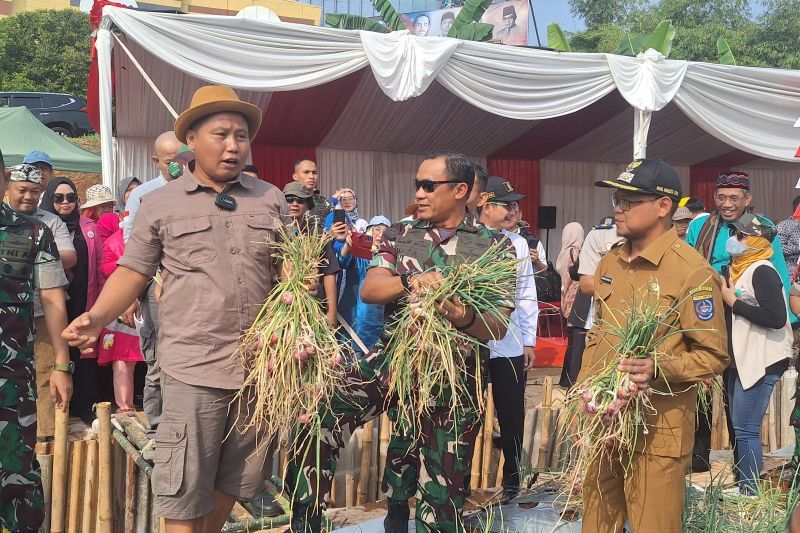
(641, 127)
(104, 46)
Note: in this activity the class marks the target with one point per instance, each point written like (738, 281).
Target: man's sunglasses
(429, 185)
(69, 198)
(508, 205)
(295, 200)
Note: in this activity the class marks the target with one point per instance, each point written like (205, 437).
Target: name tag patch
(704, 308)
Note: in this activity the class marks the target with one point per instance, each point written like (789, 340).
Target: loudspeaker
(547, 217)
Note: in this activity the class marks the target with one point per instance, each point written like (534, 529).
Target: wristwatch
(69, 368)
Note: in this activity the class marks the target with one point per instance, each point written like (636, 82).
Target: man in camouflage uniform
(409, 262)
(28, 260)
(307, 174)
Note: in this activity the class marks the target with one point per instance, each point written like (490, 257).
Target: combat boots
(396, 520)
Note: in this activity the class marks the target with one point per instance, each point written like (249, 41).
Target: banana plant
(354, 22)
(724, 52)
(556, 39)
(659, 39)
(468, 26)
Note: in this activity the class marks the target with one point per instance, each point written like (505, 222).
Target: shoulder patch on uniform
(702, 288)
(606, 279)
(703, 307)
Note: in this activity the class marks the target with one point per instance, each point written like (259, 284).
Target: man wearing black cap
(513, 355)
(650, 494)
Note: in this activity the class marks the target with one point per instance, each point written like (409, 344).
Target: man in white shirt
(513, 355)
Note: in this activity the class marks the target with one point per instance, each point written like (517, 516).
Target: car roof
(23, 93)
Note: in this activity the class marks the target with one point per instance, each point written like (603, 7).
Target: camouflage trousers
(432, 467)
(21, 495)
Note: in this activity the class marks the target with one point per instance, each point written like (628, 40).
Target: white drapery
(749, 108)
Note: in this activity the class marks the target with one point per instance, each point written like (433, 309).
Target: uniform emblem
(704, 308)
(508, 186)
(627, 177)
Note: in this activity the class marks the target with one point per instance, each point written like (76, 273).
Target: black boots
(396, 520)
(305, 519)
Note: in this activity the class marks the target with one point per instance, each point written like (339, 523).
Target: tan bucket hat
(212, 99)
(98, 195)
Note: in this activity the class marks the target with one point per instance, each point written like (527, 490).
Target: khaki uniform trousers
(650, 497)
(44, 358)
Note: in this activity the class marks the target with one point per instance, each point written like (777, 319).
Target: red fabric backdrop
(702, 182)
(275, 164)
(524, 176)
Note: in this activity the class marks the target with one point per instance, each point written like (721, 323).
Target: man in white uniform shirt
(513, 355)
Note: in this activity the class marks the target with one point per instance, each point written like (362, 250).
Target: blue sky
(548, 11)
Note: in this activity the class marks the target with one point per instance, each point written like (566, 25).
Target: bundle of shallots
(606, 412)
(428, 358)
(290, 354)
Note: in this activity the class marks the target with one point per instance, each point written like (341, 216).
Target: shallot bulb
(288, 298)
(591, 408)
(304, 418)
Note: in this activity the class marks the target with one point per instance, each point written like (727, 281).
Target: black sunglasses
(429, 185)
(295, 200)
(69, 198)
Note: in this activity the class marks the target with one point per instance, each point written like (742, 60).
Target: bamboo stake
(90, 488)
(75, 483)
(772, 436)
(547, 392)
(334, 502)
(544, 447)
(717, 422)
(104, 479)
(46, 465)
(558, 436)
(788, 388)
(477, 454)
(349, 489)
(528, 429)
(130, 494)
(57, 518)
(366, 461)
(383, 450)
(498, 481)
(488, 424)
(284, 454)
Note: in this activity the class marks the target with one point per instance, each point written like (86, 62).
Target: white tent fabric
(749, 108)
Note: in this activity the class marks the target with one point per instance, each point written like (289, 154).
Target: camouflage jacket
(28, 260)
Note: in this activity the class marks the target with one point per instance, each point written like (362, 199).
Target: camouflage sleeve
(48, 273)
(387, 254)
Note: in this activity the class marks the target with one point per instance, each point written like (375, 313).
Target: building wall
(287, 10)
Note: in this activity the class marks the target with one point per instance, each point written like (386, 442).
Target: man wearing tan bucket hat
(206, 230)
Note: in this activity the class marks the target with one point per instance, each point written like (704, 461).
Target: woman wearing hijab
(567, 263)
(61, 198)
(346, 199)
(760, 340)
(124, 190)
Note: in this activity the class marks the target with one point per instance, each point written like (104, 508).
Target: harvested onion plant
(428, 357)
(290, 354)
(606, 412)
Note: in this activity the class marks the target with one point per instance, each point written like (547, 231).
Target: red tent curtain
(275, 164)
(523, 174)
(703, 181)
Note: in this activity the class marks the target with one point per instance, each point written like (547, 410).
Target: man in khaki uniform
(651, 493)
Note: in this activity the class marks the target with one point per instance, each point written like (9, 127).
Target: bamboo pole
(558, 436)
(366, 462)
(772, 435)
(57, 518)
(333, 493)
(284, 454)
(383, 450)
(349, 489)
(547, 392)
(46, 465)
(488, 424)
(76, 472)
(130, 495)
(498, 481)
(528, 429)
(477, 454)
(104, 515)
(544, 448)
(90, 488)
(788, 388)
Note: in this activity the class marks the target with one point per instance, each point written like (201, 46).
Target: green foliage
(661, 38)
(471, 13)
(474, 31)
(393, 19)
(770, 40)
(354, 22)
(631, 45)
(556, 39)
(724, 52)
(47, 51)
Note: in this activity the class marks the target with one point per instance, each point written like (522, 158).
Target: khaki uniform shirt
(682, 276)
(218, 271)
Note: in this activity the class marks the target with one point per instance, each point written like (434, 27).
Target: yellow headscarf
(758, 248)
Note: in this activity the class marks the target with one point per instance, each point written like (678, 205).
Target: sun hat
(377, 220)
(212, 99)
(98, 195)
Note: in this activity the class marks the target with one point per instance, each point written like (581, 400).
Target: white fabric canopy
(752, 109)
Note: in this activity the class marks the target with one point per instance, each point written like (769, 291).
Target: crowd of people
(173, 269)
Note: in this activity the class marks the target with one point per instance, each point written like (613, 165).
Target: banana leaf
(354, 22)
(474, 31)
(661, 38)
(724, 52)
(630, 45)
(556, 39)
(389, 14)
(472, 11)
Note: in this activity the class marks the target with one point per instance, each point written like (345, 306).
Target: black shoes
(509, 493)
(263, 505)
(305, 519)
(396, 520)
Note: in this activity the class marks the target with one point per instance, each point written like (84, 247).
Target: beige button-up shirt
(218, 271)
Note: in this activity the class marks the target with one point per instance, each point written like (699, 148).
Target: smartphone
(726, 273)
(338, 216)
(362, 245)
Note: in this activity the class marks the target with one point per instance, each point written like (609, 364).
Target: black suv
(63, 113)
